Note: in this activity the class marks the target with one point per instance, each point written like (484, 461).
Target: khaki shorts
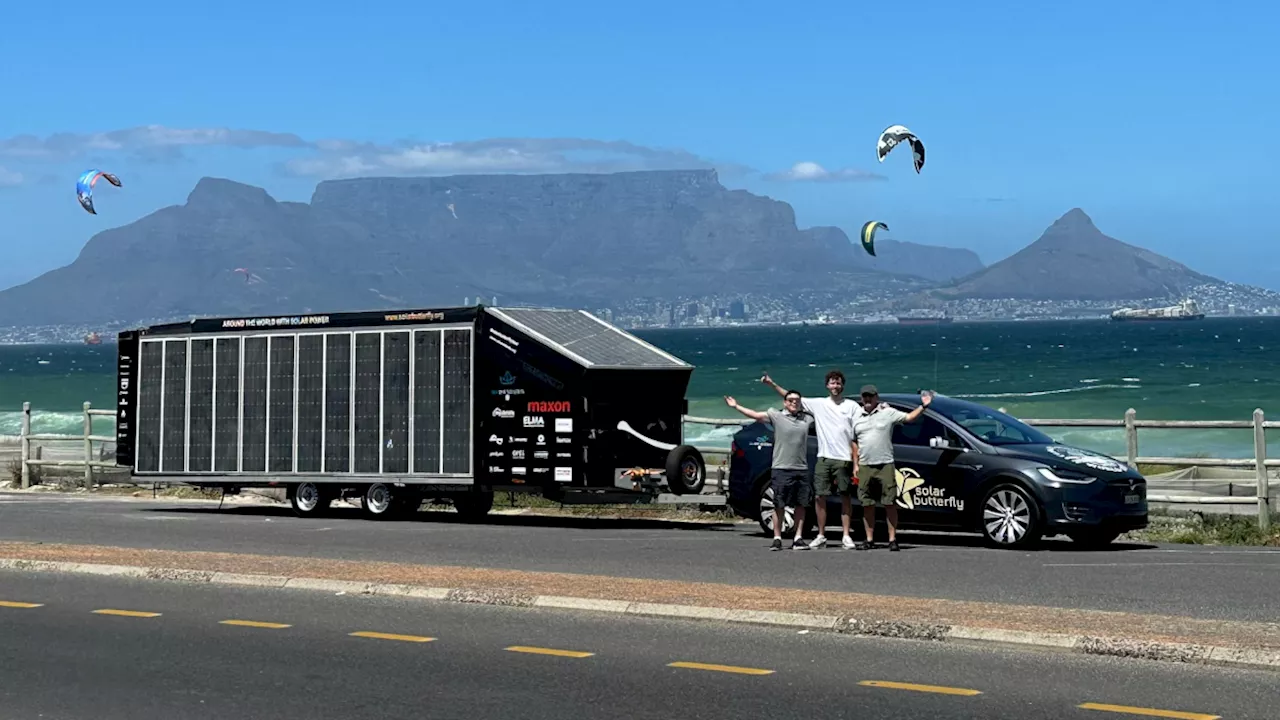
(831, 475)
(877, 481)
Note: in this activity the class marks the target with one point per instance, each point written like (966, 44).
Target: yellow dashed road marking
(10, 604)
(126, 613)
(255, 623)
(549, 651)
(1149, 712)
(721, 668)
(390, 636)
(941, 689)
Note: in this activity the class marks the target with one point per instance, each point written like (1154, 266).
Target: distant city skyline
(1148, 116)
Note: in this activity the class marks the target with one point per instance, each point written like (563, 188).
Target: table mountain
(1074, 260)
(569, 239)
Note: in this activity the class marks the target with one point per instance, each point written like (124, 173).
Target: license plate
(1132, 499)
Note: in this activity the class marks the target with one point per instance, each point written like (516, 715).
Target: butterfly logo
(907, 480)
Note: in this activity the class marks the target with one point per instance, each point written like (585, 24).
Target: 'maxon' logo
(549, 406)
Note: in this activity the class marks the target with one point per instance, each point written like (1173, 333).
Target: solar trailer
(395, 407)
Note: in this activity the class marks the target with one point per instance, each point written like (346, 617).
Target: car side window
(919, 432)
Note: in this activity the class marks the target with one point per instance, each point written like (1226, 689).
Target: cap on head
(869, 390)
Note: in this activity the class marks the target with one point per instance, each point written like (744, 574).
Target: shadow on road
(447, 517)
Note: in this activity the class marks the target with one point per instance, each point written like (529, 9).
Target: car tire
(764, 512)
(1009, 517)
(686, 470)
(1094, 538)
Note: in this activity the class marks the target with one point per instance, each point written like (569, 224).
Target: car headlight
(1063, 476)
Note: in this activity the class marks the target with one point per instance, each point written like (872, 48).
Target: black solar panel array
(590, 339)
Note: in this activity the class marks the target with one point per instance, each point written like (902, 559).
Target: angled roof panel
(586, 339)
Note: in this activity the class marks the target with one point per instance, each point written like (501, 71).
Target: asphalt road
(1221, 583)
(101, 648)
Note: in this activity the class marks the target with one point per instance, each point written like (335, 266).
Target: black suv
(966, 467)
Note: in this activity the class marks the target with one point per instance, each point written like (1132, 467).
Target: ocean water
(1218, 369)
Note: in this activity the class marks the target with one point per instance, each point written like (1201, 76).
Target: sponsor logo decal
(517, 454)
(495, 469)
(913, 493)
(564, 425)
(495, 439)
(517, 470)
(564, 474)
(1086, 458)
(503, 413)
(542, 439)
(550, 406)
(534, 421)
(496, 453)
(564, 440)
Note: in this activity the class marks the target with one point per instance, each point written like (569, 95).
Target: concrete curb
(1088, 645)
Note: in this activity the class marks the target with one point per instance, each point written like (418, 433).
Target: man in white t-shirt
(833, 419)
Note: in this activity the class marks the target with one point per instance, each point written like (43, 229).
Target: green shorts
(877, 482)
(830, 475)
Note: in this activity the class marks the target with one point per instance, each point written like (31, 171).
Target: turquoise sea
(1218, 369)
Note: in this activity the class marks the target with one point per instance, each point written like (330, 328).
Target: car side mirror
(941, 443)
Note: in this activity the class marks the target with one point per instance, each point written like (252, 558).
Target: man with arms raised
(833, 417)
(872, 450)
(792, 486)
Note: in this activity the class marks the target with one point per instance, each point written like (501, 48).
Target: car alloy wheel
(1010, 517)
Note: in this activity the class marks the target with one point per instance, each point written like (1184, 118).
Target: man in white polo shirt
(872, 449)
(833, 473)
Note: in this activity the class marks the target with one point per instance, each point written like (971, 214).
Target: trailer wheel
(686, 471)
(309, 499)
(378, 502)
(473, 506)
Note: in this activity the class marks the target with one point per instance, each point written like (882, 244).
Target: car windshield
(996, 428)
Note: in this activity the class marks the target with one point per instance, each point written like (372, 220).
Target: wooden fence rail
(1259, 462)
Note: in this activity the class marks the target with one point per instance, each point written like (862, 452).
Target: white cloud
(336, 157)
(10, 178)
(341, 158)
(150, 139)
(813, 172)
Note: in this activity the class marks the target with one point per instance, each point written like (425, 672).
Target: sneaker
(776, 544)
(799, 544)
(847, 542)
(893, 546)
(866, 545)
(820, 541)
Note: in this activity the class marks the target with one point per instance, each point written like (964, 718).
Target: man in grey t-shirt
(872, 450)
(792, 484)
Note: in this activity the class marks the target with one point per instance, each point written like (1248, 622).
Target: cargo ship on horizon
(924, 319)
(1186, 310)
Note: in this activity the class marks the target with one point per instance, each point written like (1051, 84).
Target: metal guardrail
(1259, 462)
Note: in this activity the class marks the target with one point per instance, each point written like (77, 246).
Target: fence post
(1131, 437)
(88, 448)
(1260, 465)
(26, 445)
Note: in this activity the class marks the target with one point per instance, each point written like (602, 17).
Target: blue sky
(1155, 117)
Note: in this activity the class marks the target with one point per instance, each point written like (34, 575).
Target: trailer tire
(379, 502)
(473, 506)
(309, 499)
(686, 470)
